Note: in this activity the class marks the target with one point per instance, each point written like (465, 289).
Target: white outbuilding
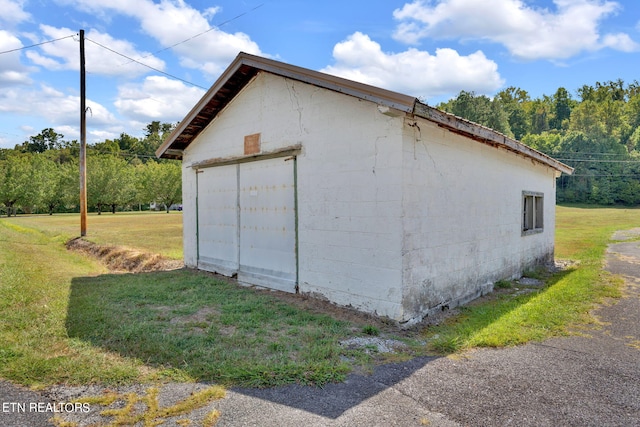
(304, 182)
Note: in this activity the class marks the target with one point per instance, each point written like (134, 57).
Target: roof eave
(206, 98)
(486, 135)
(256, 64)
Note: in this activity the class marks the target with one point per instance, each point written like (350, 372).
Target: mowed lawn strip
(148, 231)
(35, 282)
(563, 304)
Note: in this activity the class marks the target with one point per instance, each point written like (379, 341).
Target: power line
(571, 153)
(36, 45)
(599, 161)
(202, 33)
(145, 65)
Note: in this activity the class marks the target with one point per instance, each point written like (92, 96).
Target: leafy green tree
(514, 101)
(610, 115)
(15, 172)
(61, 186)
(155, 134)
(162, 183)
(548, 143)
(634, 140)
(585, 119)
(498, 118)
(22, 181)
(561, 109)
(109, 182)
(479, 109)
(67, 152)
(48, 139)
(108, 146)
(539, 114)
(586, 93)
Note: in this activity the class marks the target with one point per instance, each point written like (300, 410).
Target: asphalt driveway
(588, 380)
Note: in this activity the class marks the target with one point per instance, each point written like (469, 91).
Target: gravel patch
(381, 345)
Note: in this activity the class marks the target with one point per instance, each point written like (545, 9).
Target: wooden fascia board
(291, 150)
(486, 135)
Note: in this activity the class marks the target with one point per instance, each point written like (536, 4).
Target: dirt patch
(204, 315)
(121, 258)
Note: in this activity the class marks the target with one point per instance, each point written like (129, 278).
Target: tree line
(42, 174)
(596, 130)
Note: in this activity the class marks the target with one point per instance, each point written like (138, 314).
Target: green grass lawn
(35, 284)
(582, 234)
(155, 232)
(65, 319)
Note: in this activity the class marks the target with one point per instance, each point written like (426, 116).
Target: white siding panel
(218, 219)
(267, 224)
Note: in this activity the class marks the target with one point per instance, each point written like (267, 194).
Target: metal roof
(246, 66)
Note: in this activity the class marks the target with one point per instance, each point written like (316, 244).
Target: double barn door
(246, 222)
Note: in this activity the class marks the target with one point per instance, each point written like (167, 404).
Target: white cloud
(38, 102)
(620, 42)
(67, 111)
(413, 72)
(65, 55)
(172, 21)
(13, 12)
(157, 98)
(12, 72)
(526, 31)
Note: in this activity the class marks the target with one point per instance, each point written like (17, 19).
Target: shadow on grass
(191, 324)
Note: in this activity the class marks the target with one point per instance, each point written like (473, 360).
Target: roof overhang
(245, 67)
(487, 136)
(241, 71)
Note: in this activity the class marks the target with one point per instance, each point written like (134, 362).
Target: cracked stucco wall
(462, 217)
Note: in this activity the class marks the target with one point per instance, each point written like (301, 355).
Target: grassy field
(156, 232)
(65, 319)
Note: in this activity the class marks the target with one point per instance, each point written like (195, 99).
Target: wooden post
(83, 143)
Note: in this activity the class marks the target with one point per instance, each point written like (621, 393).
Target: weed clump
(371, 330)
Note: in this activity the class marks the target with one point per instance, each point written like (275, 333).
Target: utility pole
(83, 143)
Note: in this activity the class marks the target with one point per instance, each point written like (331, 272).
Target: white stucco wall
(350, 192)
(462, 211)
(348, 185)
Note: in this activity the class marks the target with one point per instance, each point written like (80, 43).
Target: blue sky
(431, 49)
